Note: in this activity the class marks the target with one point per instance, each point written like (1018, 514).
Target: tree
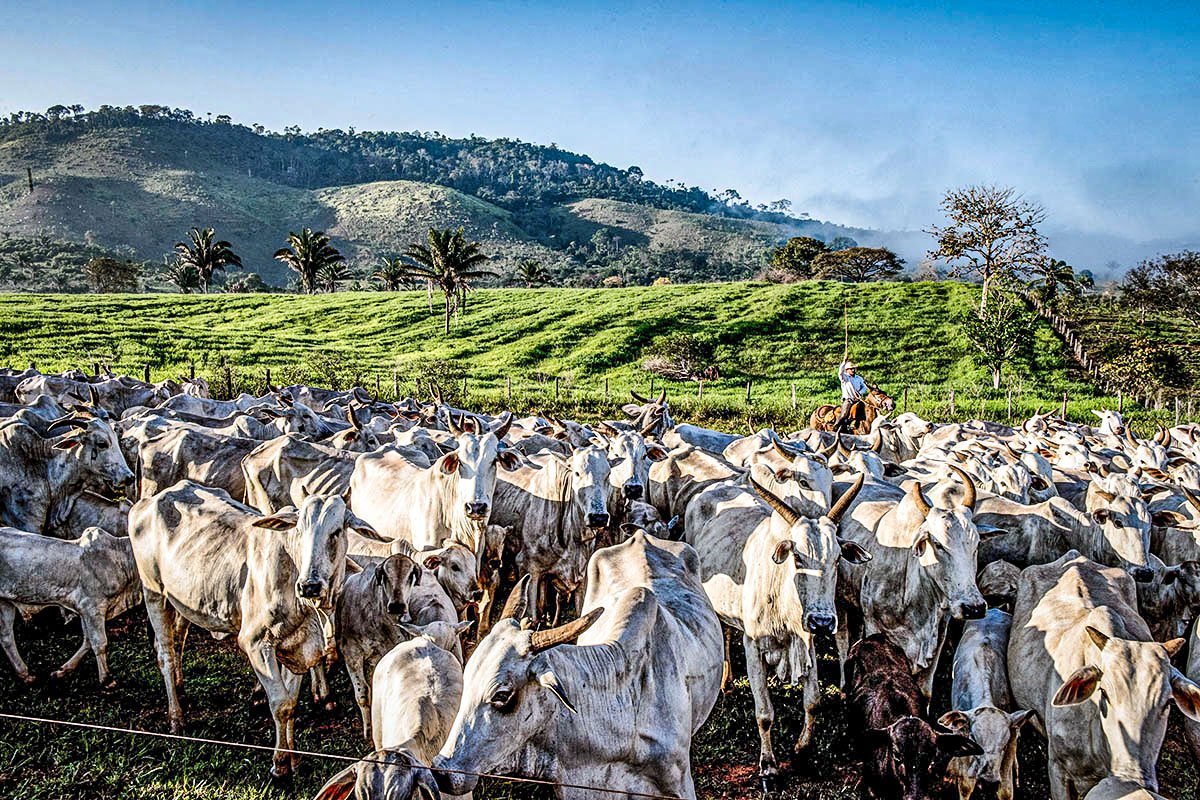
(449, 262)
(206, 254)
(682, 357)
(183, 277)
(1001, 332)
(1053, 278)
(1166, 283)
(793, 261)
(393, 274)
(842, 243)
(857, 264)
(246, 283)
(307, 254)
(992, 233)
(332, 274)
(106, 274)
(531, 273)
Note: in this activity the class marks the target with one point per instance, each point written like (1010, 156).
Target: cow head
(802, 471)
(319, 548)
(511, 691)
(392, 773)
(915, 755)
(1111, 422)
(473, 467)
(358, 438)
(808, 551)
(629, 457)
(91, 447)
(457, 571)
(591, 488)
(1131, 684)
(1124, 524)
(1013, 481)
(946, 544)
(393, 577)
(995, 732)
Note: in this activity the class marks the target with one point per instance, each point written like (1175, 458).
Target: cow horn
(455, 429)
(843, 451)
(646, 431)
(606, 429)
(1166, 442)
(564, 634)
(843, 502)
(920, 499)
(501, 430)
(1130, 436)
(93, 396)
(828, 452)
(71, 421)
(517, 605)
(1192, 498)
(783, 509)
(969, 493)
(638, 397)
(784, 451)
(662, 398)
(750, 425)
(877, 445)
(352, 418)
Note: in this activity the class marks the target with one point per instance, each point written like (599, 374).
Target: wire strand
(316, 754)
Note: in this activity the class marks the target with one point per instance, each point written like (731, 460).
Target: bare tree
(992, 233)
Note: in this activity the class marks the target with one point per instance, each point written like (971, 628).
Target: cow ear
(920, 544)
(1186, 695)
(655, 453)
(282, 520)
(956, 745)
(551, 682)
(1174, 646)
(427, 786)
(1167, 519)
(1039, 483)
(1170, 574)
(448, 463)
(1079, 686)
(853, 552)
(782, 551)
(364, 528)
(66, 443)
(632, 409)
(955, 721)
(340, 786)
(783, 474)
(508, 459)
(1101, 515)
(1097, 413)
(1018, 718)
(1099, 638)
(461, 628)
(380, 575)
(891, 470)
(432, 562)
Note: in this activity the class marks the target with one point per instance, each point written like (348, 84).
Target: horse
(862, 412)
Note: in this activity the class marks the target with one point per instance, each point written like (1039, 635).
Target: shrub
(682, 357)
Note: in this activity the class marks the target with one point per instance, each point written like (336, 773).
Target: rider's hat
(851, 365)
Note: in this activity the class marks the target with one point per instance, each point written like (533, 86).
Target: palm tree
(393, 274)
(450, 262)
(531, 273)
(1054, 278)
(332, 274)
(182, 276)
(307, 254)
(206, 255)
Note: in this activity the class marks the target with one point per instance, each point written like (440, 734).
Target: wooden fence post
(905, 406)
(376, 385)
(1120, 402)
(651, 392)
(33, 365)
(606, 390)
(1009, 419)
(700, 389)
(556, 387)
(793, 396)
(228, 383)
(1158, 402)
(268, 379)
(146, 373)
(192, 370)
(952, 403)
(464, 388)
(508, 386)
(748, 382)
(1189, 408)
(395, 385)
(1177, 409)
(1063, 413)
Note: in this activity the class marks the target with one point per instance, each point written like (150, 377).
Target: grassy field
(40, 762)
(776, 337)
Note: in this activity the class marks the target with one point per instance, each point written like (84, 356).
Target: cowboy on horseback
(854, 390)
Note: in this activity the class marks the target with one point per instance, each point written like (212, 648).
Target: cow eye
(102, 445)
(455, 568)
(503, 700)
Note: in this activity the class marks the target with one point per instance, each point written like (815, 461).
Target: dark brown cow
(903, 755)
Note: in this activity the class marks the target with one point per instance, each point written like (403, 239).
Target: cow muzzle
(1142, 574)
(477, 511)
(397, 609)
(476, 595)
(633, 491)
(597, 520)
(973, 610)
(820, 623)
(310, 590)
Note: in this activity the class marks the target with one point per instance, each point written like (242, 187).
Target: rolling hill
(133, 182)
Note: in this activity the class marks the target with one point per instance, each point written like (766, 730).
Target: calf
(370, 608)
(982, 704)
(94, 576)
(905, 757)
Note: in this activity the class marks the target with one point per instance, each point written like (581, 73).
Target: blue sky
(861, 114)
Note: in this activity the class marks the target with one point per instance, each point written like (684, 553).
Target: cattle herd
(592, 574)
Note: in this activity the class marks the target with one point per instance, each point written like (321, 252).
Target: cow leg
(484, 610)
(283, 690)
(812, 695)
(162, 621)
(182, 626)
(966, 787)
(727, 664)
(95, 639)
(764, 712)
(319, 684)
(356, 668)
(842, 639)
(1008, 770)
(1060, 784)
(8, 616)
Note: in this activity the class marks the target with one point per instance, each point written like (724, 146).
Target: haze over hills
(137, 180)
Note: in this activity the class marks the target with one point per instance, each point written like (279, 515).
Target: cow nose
(127, 481)
(309, 589)
(633, 491)
(396, 608)
(974, 610)
(1142, 574)
(477, 595)
(477, 510)
(819, 623)
(597, 520)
